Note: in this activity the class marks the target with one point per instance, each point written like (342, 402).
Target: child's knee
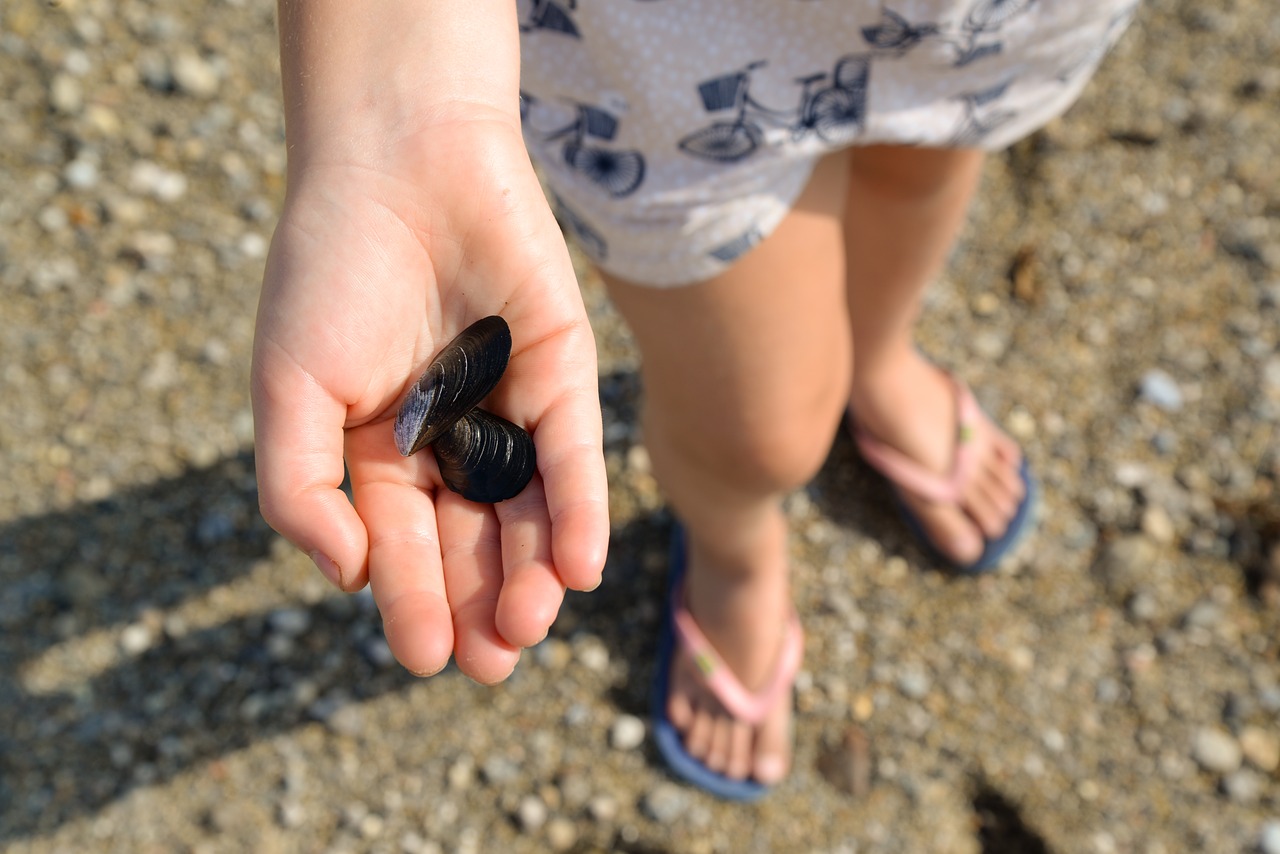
(770, 447)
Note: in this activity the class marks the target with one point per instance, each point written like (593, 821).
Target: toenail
(770, 769)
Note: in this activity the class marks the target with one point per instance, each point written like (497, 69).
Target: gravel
(175, 677)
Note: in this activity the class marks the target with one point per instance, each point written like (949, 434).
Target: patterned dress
(674, 135)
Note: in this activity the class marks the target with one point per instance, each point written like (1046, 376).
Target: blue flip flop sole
(665, 735)
(996, 550)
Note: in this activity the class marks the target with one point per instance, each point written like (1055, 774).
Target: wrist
(359, 77)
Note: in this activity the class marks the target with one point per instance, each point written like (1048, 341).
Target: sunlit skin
(381, 257)
(749, 375)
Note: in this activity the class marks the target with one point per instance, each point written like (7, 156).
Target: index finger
(298, 453)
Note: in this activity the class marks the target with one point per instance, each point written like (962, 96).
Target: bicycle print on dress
(549, 15)
(739, 246)
(618, 172)
(981, 116)
(973, 40)
(896, 35)
(835, 112)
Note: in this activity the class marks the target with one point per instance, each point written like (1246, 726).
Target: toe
(772, 749)
(740, 759)
(718, 753)
(697, 739)
(679, 709)
(986, 507)
(952, 532)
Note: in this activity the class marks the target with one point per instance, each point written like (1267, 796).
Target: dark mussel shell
(485, 458)
(481, 456)
(458, 378)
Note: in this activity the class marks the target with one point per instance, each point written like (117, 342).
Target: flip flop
(909, 476)
(680, 630)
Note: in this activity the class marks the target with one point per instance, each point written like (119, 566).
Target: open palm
(378, 261)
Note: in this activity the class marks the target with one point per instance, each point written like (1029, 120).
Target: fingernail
(328, 568)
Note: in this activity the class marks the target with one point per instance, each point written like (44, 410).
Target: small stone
(665, 803)
(1132, 475)
(153, 248)
(498, 770)
(1269, 838)
(638, 459)
(591, 653)
(1215, 750)
(627, 733)
(66, 94)
(990, 344)
(1142, 606)
(578, 714)
(1157, 525)
(1161, 390)
(1140, 658)
(411, 842)
(561, 834)
(378, 652)
(847, 765)
(1125, 562)
(1261, 748)
(986, 304)
(252, 245)
(1022, 658)
(531, 813)
(136, 639)
(149, 178)
(81, 174)
(1203, 615)
(914, 682)
(1021, 424)
(461, 773)
(53, 219)
(603, 808)
(291, 622)
(1243, 786)
(347, 720)
(290, 814)
(214, 527)
(102, 120)
(553, 654)
(192, 75)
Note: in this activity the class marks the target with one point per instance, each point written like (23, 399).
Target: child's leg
(905, 208)
(745, 378)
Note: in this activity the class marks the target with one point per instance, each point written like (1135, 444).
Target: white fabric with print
(675, 134)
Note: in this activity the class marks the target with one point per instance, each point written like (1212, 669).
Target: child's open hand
(378, 261)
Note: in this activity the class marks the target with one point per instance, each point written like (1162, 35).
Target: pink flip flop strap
(749, 706)
(915, 478)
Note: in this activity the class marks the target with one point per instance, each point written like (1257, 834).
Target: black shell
(485, 458)
(481, 456)
(458, 378)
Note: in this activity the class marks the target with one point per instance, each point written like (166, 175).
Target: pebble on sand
(1160, 389)
(1216, 750)
(627, 732)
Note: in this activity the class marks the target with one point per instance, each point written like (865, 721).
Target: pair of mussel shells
(482, 457)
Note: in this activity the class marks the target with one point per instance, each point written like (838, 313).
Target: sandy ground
(173, 677)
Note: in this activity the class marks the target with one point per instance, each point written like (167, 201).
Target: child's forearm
(358, 75)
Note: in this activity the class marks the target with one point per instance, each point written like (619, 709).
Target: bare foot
(743, 612)
(912, 408)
